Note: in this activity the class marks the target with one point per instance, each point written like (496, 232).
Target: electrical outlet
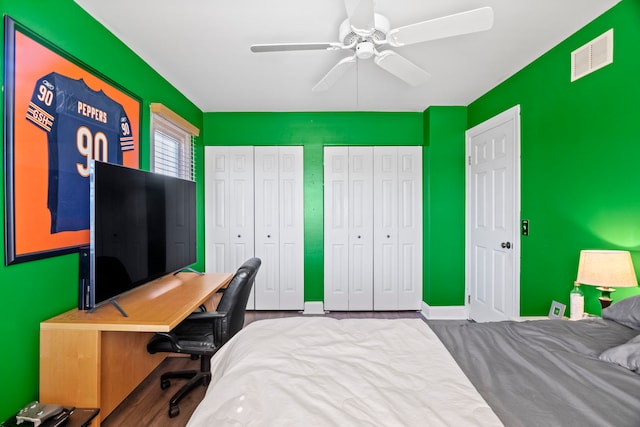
(525, 227)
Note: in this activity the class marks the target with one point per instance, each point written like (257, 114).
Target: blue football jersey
(81, 124)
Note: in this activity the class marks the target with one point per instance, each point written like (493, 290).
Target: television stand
(189, 270)
(114, 303)
(120, 309)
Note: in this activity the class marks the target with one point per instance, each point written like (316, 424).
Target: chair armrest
(167, 337)
(206, 317)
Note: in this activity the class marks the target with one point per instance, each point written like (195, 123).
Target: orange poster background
(31, 169)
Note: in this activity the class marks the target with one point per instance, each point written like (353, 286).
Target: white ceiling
(202, 48)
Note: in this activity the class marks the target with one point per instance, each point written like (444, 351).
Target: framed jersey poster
(58, 115)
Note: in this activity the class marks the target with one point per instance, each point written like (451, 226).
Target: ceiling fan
(369, 34)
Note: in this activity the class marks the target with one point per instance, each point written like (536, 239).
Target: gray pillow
(626, 312)
(626, 355)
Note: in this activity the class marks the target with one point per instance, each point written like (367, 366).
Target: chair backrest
(234, 301)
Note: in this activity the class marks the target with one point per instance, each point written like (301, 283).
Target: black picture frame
(29, 229)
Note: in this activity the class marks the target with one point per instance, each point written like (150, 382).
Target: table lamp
(606, 270)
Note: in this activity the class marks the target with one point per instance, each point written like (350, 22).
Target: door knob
(506, 245)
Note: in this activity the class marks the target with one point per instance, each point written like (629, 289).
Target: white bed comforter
(321, 371)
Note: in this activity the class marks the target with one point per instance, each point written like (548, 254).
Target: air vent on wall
(592, 56)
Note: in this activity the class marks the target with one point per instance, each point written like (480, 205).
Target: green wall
(313, 131)
(34, 291)
(444, 205)
(580, 154)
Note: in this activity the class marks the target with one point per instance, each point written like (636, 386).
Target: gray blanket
(547, 372)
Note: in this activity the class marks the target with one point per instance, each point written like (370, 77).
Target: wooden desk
(96, 359)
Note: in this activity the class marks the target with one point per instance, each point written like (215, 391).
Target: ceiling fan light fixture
(365, 50)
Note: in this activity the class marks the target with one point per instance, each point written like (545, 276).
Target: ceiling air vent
(592, 56)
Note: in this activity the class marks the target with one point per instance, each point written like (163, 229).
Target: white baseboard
(457, 312)
(313, 307)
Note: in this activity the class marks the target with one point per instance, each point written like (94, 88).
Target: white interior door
(493, 205)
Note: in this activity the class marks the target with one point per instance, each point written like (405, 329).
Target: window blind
(173, 151)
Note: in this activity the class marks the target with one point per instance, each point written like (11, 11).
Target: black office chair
(202, 334)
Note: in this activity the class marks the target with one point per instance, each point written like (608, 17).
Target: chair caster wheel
(164, 384)
(174, 411)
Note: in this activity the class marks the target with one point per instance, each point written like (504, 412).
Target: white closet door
(291, 284)
(385, 209)
(397, 228)
(410, 228)
(228, 207)
(229, 239)
(279, 228)
(348, 199)
(336, 228)
(267, 228)
(360, 228)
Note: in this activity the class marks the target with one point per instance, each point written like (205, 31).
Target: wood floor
(148, 405)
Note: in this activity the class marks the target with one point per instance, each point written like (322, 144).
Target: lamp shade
(606, 269)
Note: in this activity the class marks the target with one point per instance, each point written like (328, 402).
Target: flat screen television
(142, 227)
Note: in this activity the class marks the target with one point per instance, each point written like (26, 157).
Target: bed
(319, 371)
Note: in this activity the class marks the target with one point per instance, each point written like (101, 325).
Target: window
(173, 140)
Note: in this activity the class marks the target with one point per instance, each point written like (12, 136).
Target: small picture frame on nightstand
(557, 310)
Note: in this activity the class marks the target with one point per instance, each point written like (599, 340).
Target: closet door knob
(239, 236)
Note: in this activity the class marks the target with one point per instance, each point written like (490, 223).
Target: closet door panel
(291, 228)
(336, 228)
(267, 228)
(385, 207)
(216, 208)
(360, 233)
(279, 228)
(228, 207)
(240, 202)
(410, 228)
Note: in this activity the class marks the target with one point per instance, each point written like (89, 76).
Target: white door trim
(512, 114)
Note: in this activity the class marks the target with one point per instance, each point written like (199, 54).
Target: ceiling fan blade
(467, 22)
(285, 47)
(361, 18)
(401, 67)
(334, 74)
